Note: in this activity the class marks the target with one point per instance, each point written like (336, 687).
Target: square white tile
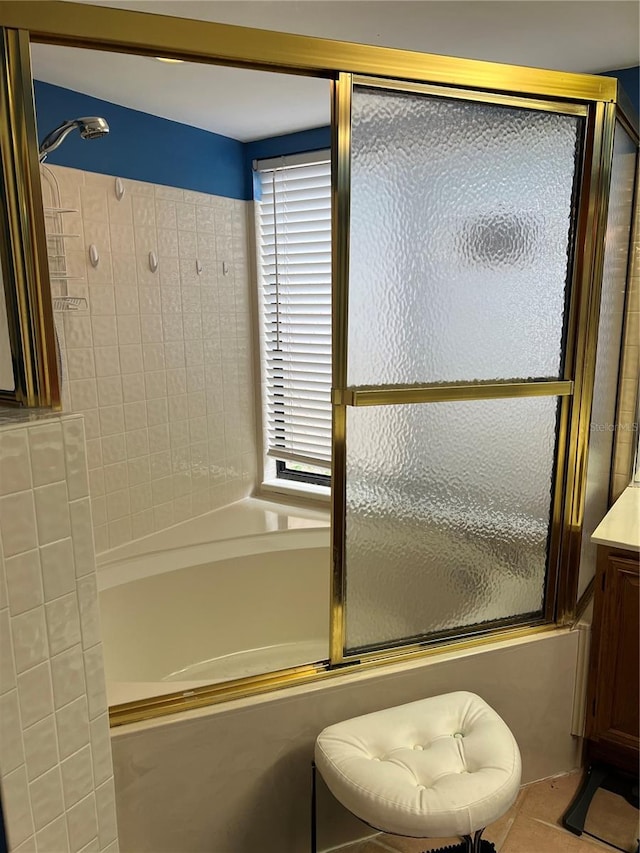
(29, 633)
(58, 568)
(63, 623)
(96, 689)
(120, 531)
(82, 823)
(82, 537)
(118, 504)
(113, 449)
(77, 776)
(105, 805)
(46, 797)
(15, 473)
(75, 458)
(41, 747)
(101, 749)
(17, 807)
(67, 672)
(7, 665)
(72, 722)
(116, 476)
(53, 837)
(35, 694)
(84, 394)
(47, 453)
(133, 387)
(110, 391)
(11, 744)
(18, 523)
(89, 611)
(111, 420)
(24, 581)
(52, 512)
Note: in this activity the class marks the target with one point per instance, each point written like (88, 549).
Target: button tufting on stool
(450, 766)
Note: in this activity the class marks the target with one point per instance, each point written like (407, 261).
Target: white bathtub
(240, 591)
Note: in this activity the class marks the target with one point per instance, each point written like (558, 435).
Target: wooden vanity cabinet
(613, 696)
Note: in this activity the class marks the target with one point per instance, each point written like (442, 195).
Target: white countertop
(620, 528)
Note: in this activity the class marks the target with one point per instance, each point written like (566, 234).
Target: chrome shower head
(90, 127)
(93, 127)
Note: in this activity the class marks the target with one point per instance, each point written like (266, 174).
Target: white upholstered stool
(430, 769)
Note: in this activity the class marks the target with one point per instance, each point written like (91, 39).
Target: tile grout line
(522, 796)
(589, 839)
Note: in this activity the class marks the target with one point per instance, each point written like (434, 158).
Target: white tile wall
(55, 755)
(160, 364)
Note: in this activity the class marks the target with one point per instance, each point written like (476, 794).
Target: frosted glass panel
(603, 411)
(448, 508)
(460, 222)
(7, 378)
(7, 381)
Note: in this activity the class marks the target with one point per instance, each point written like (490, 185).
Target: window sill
(302, 491)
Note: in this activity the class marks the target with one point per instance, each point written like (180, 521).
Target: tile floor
(532, 825)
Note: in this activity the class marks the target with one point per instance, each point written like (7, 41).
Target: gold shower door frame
(345, 396)
(103, 28)
(23, 254)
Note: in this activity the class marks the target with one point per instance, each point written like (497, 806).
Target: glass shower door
(452, 382)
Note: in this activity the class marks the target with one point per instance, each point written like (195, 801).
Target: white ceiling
(570, 35)
(233, 101)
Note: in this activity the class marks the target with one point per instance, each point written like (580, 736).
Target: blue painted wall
(630, 79)
(279, 146)
(142, 146)
(289, 143)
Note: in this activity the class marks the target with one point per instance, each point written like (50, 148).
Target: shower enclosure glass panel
(460, 233)
(448, 512)
(7, 380)
(603, 410)
(462, 215)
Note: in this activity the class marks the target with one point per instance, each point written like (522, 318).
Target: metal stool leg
(474, 845)
(314, 840)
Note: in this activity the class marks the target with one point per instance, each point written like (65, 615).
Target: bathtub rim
(257, 505)
(127, 570)
(257, 688)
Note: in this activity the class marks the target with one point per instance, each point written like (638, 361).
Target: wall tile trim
(52, 760)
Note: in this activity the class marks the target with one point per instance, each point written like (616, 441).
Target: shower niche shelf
(69, 303)
(66, 278)
(59, 274)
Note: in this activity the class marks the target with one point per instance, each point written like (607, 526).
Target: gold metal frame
(24, 258)
(441, 393)
(101, 28)
(459, 94)
(341, 157)
(381, 396)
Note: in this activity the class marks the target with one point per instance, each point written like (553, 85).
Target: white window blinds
(294, 267)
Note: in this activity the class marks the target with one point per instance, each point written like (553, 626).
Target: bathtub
(259, 568)
(240, 591)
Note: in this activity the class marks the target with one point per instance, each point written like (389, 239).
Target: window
(293, 223)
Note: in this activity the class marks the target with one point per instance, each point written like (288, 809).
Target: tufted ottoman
(429, 769)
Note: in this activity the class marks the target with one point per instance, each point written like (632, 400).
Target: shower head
(93, 127)
(90, 127)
